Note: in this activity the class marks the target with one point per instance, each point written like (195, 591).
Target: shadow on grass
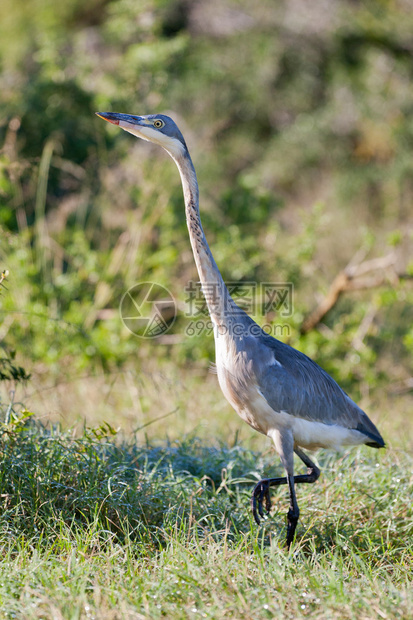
(49, 478)
(148, 493)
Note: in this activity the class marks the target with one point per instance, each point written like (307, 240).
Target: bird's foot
(292, 520)
(261, 496)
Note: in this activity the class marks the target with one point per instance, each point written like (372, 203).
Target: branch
(349, 279)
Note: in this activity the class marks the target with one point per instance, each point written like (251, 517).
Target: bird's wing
(291, 382)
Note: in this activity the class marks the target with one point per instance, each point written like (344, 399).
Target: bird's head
(156, 128)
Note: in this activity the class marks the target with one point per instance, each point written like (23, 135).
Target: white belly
(255, 410)
(240, 389)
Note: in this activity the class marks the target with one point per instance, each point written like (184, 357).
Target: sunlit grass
(94, 526)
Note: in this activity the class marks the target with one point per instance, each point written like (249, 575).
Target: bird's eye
(158, 123)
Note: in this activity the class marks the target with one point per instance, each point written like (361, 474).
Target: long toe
(254, 502)
(267, 499)
(254, 510)
(260, 493)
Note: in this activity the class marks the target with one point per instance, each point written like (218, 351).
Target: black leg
(261, 494)
(293, 513)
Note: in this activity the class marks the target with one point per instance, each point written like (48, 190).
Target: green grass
(96, 526)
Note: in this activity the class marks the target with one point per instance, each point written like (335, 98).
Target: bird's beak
(109, 116)
(138, 126)
(119, 119)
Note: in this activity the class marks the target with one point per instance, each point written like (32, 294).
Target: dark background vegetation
(299, 118)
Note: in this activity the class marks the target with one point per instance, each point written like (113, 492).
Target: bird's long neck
(215, 291)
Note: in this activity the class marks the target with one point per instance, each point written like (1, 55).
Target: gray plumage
(305, 390)
(276, 389)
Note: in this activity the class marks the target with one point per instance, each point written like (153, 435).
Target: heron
(276, 389)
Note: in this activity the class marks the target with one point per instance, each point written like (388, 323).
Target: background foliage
(299, 120)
